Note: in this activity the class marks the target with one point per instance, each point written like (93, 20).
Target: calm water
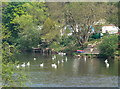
(71, 73)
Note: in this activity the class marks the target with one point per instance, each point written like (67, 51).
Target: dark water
(71, 73)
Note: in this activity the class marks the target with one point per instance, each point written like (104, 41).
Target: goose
(34, 59)
(28, 64)
(23, 65)
(41, 65)
(18, 66)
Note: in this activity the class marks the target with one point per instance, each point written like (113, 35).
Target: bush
(108, 46)
(11, 76)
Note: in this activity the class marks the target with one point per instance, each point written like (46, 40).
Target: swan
(23, 65)
(64, 53)
(28, 64)
(106, 61)
(66, 59)
(34, 59)
(107, 65)
(54, 66)
(53, 57)
(18, 66)
(62, 61)
(58, 62)
(42, 65)
(85, 58)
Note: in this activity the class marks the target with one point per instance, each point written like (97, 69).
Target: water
(74, 72)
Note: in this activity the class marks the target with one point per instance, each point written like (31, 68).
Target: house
(111, 29)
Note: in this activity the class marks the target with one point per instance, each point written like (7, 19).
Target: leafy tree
(108, 46)
(50, 30)
(29, 35)
(10, 11)
(113, 16)
(83, 16)
(11, 77)
(58, 13)
(37, 10)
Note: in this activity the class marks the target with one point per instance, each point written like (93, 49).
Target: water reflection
(70, 71)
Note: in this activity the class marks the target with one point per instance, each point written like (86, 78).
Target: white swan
(18, 66)
(54, 66)
(41, 65)
(58, 62)
(23, 65)
(106, 61)
(28, 64)
(107, 65)
(34, 59)
(62, 61)
(64, 53)
(54, 57)
(66, 59)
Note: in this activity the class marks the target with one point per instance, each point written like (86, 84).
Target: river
(72, 72)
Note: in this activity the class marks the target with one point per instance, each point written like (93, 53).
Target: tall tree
(10, 11)
(50, 30)
(29, 35)
(83, 16)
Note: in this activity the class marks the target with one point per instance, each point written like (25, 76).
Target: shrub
(108, 46)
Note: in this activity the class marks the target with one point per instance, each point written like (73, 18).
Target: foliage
(29, 36)
(82, 23)
(108, 46)
(10, 11)
(11, 76)
(67, 41)
(50, 30)
(113, 16)
(37, 10)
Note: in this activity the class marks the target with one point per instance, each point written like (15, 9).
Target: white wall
(111, 29)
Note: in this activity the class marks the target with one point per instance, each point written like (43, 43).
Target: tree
(11, 77)
(37, 10)
(108, 46)
(10, 11)
(56, 11)
(83, 16)
(113, 17)
(50, 30)
(29, 35)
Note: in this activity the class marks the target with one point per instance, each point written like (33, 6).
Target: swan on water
(106, 61)
(34, 59)
(54, 66)
(107, 65)
(23, 65)
(28, 64)
(58, 62)
(62, 61)
(42, 65)
(66, 59)
(18, 66)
